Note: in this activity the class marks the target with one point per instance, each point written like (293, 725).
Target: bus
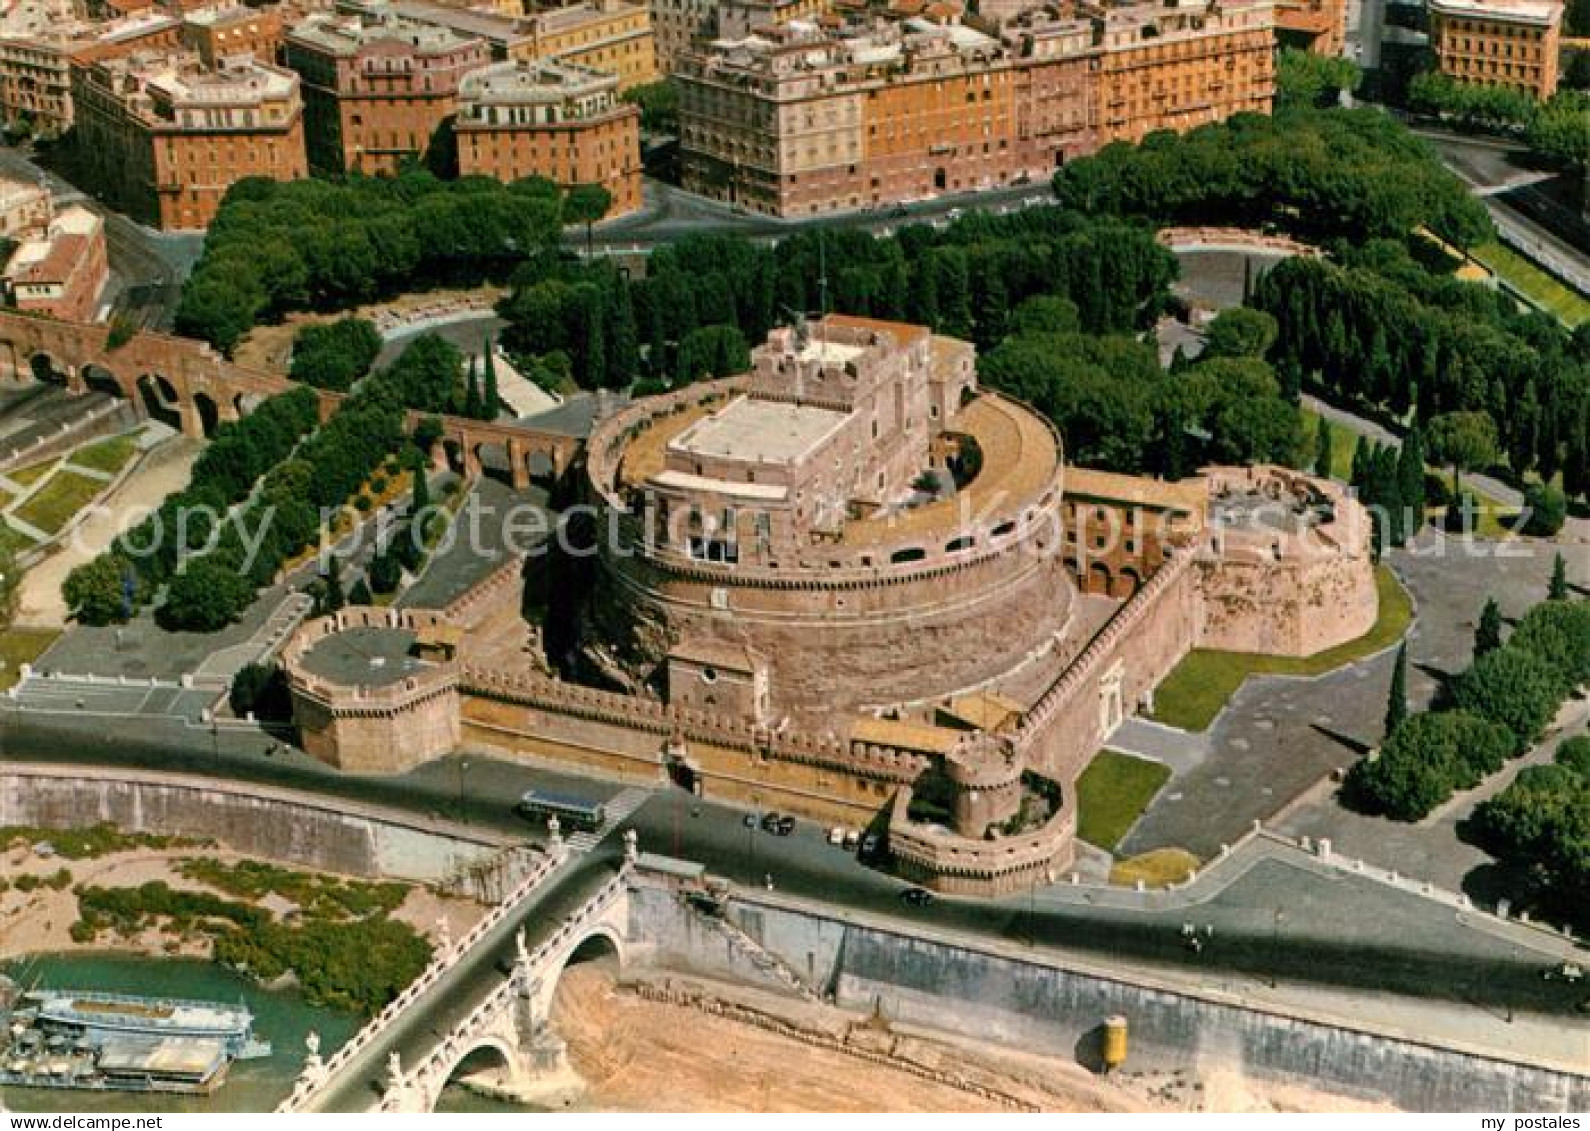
(573, 813)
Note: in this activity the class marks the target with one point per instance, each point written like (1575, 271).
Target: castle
(849, 583)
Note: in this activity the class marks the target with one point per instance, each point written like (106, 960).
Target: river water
(281, 1017)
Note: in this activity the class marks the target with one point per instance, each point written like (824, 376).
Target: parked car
(869, 846)
(769, 821)
(749, 820)
(916, 897)
(836, 836)
(852, 839)
(785, 826)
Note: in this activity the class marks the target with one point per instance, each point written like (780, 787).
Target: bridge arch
(160, 400)
(47, 369)
(209, 412)
(99, 379)
(487, 1052)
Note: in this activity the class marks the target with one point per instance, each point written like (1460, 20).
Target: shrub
(1547, 509)
(1425, 760)
(1559, 633)
(334, 355)
(1513, 687)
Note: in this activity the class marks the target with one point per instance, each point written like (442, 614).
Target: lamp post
(463, 767)
(750, 840)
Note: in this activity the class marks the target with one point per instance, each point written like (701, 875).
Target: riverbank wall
(1034, 1002)
(278, 824)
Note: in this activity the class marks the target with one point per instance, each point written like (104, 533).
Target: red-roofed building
(62, 270)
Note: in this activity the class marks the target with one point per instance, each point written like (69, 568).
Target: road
(1337, 930)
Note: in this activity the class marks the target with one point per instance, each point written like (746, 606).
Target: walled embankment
(1034, 1004)
(278, 824)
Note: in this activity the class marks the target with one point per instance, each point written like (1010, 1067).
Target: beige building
(39, 39)
(555, 120)
(163, 136)
(679, 24)
(1512, 43)
(609, 35)
(24, 208)
(803, 119)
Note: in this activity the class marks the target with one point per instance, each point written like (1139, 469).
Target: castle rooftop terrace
(759, 431)
(364, 657)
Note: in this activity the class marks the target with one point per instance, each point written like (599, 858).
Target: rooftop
(1542, 12)
(760, 431)
(534, 80)
(364, 657)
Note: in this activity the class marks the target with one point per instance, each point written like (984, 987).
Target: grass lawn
(1343, 441)
(13, 540)
(53, 505)
(1198, 687)
(1157, 869)
(27, 476)
(20, 646)
(1112, 791)
(109, 456)
(1543, 289)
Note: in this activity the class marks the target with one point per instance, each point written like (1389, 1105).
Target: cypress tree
(331, 597)
(472, 392)
(1410, 484)
(360, 593)
(1397, 700)
(1488, 633)
(1322, 450)
(422, 489)
(1361, 465)
(1558, 590)
(492, 398)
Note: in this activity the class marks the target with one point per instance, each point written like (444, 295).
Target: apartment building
(377, 85)
(678, 24)
(609, 35)
(1512, 43)
(804, 119)
(38, 41)
(163, 136)
(233, 29)
(556, 120)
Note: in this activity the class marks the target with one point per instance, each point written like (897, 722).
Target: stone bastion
(375, 690)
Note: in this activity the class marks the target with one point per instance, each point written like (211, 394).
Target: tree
(472, 403)
(586, 204)
(10, 580)
(1410, 481)
(1045, 314)
(1513, 687)
(1488, 633)
(422, 491)
(1427, 757)
(1558, 631)
(334, 355)
(332, 597)
(1546, 509)
(260, 689)
(1557, 590)
(1322, 449)
(386, 572)
(492, 396)
(1240, 332)
(712, 351)
(205, 597)
(1307, 79)
(1464, 440)
(360, 594)
(1362, 463)
(97, 592)
(1397, 698)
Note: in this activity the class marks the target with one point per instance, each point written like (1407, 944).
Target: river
(281, 1017)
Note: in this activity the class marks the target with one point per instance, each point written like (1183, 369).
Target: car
(836, 836)
(869, 846)
(785, 826)
(749, 820)
(916, 897)
(852, 839)
(769, 821)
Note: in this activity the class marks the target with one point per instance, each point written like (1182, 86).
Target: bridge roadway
(416, 1031)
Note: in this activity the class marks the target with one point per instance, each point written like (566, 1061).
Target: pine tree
(1322, 450)
(492, 397)
(1397, 700)
(360, 593)
(1558, 590)
(1488, 633)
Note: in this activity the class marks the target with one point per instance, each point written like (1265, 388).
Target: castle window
(709, 675)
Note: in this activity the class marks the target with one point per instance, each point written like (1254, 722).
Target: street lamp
(1275, 947)
(463, 767)
(750, 840)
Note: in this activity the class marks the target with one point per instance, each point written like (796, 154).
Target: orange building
(1319, 26)
(163, 137)
(610, 35)
(1512, 43)
(377, 85)
(1171, 66)
(801, 119)
(554, 120)
(61, 270)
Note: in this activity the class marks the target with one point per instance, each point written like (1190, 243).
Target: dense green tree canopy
(1514, 687)
(333, 355)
